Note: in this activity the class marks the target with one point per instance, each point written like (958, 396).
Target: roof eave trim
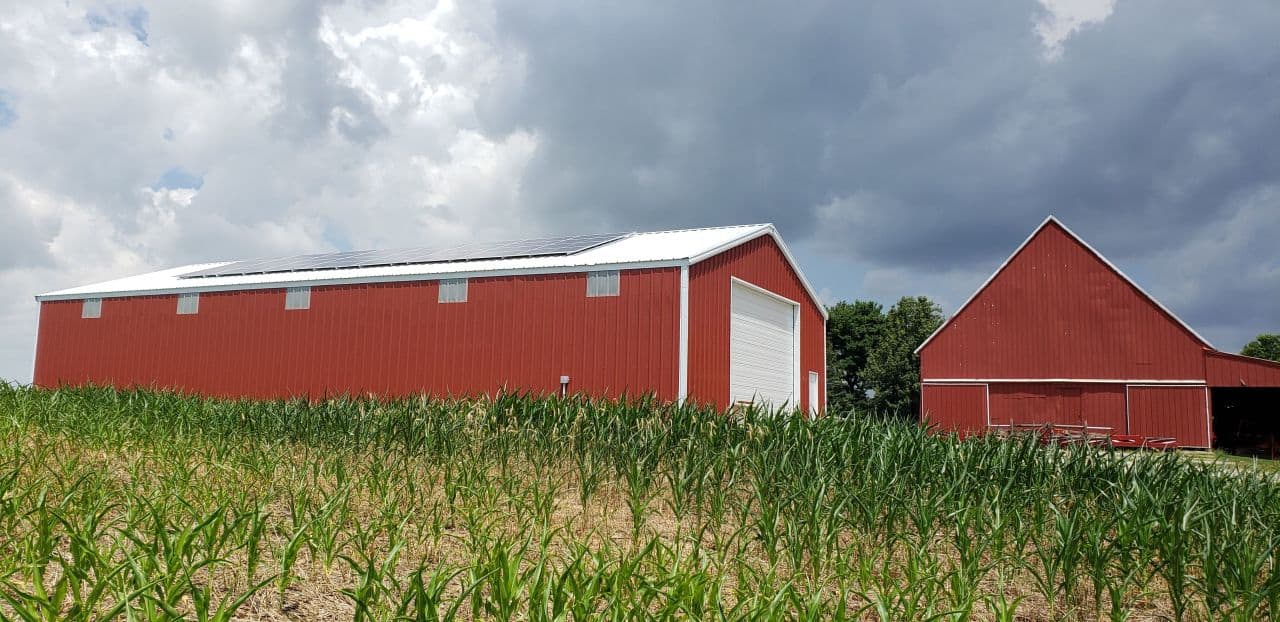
(769, 230)
(358, 280)
(1052, 219)
(1244, 358)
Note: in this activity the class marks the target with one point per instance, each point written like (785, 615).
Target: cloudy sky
(902, 146)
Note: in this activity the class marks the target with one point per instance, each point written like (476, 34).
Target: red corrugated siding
(1057, 311)
(1230, 370)
(955, 408)
(1177, 411)
(391, 339)
(761, 263)
(1062, 403)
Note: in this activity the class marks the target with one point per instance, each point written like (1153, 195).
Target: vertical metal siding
(1057, 311)
(960, 408)
(761, 263)
(1230, 370)
(391, 339)
(1177, 411)
(1061, 403)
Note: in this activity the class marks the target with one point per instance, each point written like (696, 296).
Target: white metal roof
(637, 250)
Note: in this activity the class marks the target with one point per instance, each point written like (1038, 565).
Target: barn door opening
(1246, 421)
(764, 349)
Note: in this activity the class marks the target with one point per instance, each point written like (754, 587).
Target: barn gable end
(1058, 310)
(764, 264)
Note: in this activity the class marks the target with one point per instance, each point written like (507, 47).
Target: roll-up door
(762, 351)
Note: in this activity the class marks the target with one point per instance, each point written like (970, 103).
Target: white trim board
(682, 382)
(825, 381)
(1127, 426)
(1208, 418)
(1052, 219)
(987, 387)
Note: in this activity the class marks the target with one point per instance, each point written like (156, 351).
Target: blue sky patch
(134, 20)
(336, 238)
(137, 21)
(7, 114)
(178, 177)
(97, 21)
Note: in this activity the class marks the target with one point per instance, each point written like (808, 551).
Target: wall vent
(91, 308)
(604, 283)
(188, 304)
(297, 298)
(453, 290)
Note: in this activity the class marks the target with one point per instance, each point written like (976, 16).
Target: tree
(893, 368)
(1264, 346)
(853, 329)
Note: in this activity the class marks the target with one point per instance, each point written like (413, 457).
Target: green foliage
(853, 329)
(132, 505)
(871, 360)
(893, 368)
(1264, 346)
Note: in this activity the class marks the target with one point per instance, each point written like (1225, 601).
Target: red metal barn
(719, 316)
(1060, 335)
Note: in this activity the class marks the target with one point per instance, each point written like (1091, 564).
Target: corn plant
(140, 504)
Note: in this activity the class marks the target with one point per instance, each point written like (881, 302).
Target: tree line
(1264, 346)
(872, 367)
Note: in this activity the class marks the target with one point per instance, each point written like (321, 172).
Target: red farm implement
(1098, 436)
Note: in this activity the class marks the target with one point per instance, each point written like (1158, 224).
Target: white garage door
(762, 348)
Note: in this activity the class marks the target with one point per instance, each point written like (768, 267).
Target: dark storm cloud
(688, 115)
(907, 135)
(314, 98)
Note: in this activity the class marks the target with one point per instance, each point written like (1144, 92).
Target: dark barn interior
(1246, 421)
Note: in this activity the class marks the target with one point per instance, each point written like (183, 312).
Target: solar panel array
(541, 247)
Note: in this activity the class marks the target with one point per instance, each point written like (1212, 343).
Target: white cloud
(1064, 18)
(312, 126)
(81, 244)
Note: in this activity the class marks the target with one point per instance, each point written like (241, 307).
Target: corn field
(136, 505)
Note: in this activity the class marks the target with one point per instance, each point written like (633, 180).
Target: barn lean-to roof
(1051, 220)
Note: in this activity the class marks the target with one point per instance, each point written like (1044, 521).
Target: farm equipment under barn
(1098, 436)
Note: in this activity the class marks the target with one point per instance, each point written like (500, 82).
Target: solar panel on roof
(474, 251)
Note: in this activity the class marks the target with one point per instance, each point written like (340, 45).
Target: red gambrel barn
(717, 316)
(1059, 335)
